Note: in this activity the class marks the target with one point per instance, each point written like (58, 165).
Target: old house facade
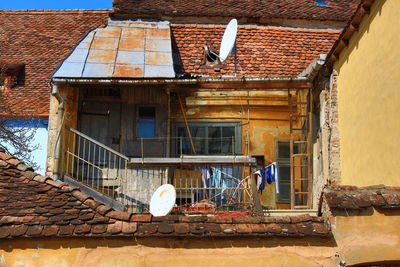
(137, 101)
(147, 87)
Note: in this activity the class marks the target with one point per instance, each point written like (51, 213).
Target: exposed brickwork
(31, 207)
(353, 197)
(338, 10)
(41, 40)
(334, 142)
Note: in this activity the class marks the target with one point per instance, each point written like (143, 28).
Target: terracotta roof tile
(353, 197)
(265, 51)
(338, 10)
(41, 40)
(32, 207)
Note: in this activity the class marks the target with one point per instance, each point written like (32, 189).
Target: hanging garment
(206, 175)
(216, 178)
(271, 173)
(258, 179)
(276, 178)
(262, 185)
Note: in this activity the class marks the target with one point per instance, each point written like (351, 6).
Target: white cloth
(259, 179)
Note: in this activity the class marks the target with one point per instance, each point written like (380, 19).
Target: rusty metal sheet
(158, 58)
(127, 57)
(158, 45)
(156, 71)
(98, 70)
(135, 33)
(124, 71)
(101, 56)
(69, 69)
(125, 48)
(129, 44)
(105, 43)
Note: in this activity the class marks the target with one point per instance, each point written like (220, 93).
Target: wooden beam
(198, 159)
(187, 125)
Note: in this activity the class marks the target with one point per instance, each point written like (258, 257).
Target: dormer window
(11, 75)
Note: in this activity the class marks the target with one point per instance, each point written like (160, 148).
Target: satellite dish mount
(228, 43)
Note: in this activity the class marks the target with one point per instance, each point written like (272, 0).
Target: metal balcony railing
(128, 184)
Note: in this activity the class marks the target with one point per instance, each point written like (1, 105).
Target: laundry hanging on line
(267, 174)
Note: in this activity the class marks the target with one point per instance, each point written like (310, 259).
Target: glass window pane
(228, 131)
(146, 130)
(214, 140)
(283, 150)
(199, 141)
(226, 147)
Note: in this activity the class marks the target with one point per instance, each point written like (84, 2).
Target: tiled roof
(41, 40)
(348, 31)
(35, 206)
(338, 10)
(353, 197)
(261, 50)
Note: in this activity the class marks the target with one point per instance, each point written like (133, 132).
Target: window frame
(206, 124)
(282, 162)
(138, 121)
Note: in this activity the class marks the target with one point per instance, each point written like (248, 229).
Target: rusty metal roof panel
(128, 49)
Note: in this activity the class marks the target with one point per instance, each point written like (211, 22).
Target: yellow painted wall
(269, 114)
(369, 99)
(370, 237)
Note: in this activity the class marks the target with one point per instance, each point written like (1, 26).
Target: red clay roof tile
(353, 197)
(262, 51)
(338, 10)
(46, 208)
(41, 40)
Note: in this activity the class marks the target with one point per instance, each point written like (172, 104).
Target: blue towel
(262, 185)
(271, 174)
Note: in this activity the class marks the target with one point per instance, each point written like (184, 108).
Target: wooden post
(187, 126)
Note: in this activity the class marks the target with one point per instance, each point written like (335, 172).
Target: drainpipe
(60, 118)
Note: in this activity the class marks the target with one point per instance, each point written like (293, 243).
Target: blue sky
(54, 4)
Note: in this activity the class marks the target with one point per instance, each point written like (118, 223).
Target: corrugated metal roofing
(123, 49)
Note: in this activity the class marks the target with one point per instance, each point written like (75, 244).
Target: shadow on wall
(164, 242)
(362, 31)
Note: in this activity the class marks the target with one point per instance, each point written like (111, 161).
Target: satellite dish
(163, 200)
(228, 40)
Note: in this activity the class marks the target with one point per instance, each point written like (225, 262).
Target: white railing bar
(96, 142)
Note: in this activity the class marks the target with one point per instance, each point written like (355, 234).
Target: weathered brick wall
(334, 139)
(326, 166)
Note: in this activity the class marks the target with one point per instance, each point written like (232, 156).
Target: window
(11, 75)
(146, 122)
(209, 138)
(283, 162)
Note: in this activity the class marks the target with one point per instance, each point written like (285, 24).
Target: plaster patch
(192, 111)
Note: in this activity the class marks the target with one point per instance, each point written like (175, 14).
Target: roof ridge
(25, 11)
(255, 26)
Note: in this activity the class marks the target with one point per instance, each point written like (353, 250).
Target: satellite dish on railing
(228, 40)
(163, 200)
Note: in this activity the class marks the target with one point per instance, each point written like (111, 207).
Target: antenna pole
(235, 60)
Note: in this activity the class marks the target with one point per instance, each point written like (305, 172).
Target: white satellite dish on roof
(163, 200)
(228, 40)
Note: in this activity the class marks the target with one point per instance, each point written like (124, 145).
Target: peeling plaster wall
(369, 99)
(268, 122)
(269, 114)
(366, 236)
